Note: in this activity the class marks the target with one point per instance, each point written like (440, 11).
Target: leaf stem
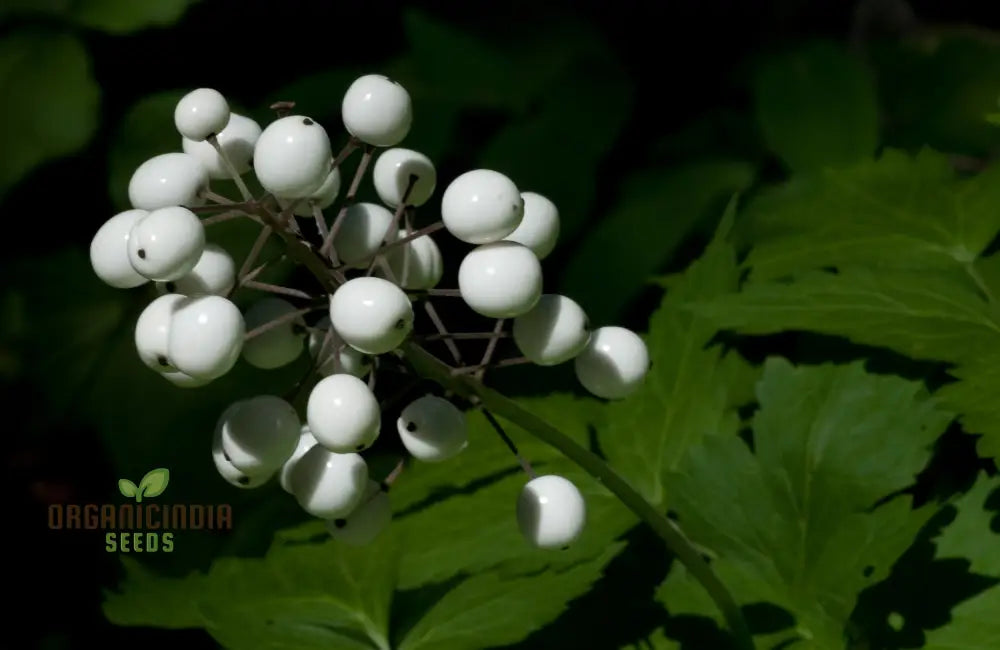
(432, 368)
(970, 268)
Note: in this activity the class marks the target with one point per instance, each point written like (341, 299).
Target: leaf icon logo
(152, 484)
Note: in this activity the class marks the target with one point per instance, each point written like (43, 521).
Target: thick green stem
(430, 367)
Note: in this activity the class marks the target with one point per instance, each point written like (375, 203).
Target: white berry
(206, 336)
(377, 111)
(371, 314)
(343, 414)
(306, 442)
(551, 512)
(328, 485)
(432, 429)
(279, 345)
(237, 140)
(366, 521)
(481, 206)
(181, 380)
(109, 251)
(417, 264)
(201, 113)
(361, 233)
(614, 363)
(167, 180)
(259, 434)
(539, 228)
(229, 472)
(152, 330)
(393, 172)
(214, 274)
(292, 157)
(323, 197)
(166, 244)
(350, 361)
(554, 331)
(500, 280)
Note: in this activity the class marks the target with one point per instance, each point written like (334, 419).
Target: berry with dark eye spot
(307, 121)
(141, 253)
(401, 323)
(243, 480)
(162, 360)
(339, 523)
(171, 287)
(411, 426)
(360, 447)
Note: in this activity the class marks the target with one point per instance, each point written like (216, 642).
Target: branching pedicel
(374, 266)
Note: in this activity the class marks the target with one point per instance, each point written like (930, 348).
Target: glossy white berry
(377, 111)
(349, 361)
(343, 414)
(279, 345)
(152, 331)
(322, 198)
(500, 280)
(539, 228)
(292, 157)
(166, 244)
(392, 176)
(259, 434)
(328, 485)
(371, 314)
(182, 380)
(614, 363)
(109, 251)
(432, 429)
(361, 233)
(167, 180)
(551, 512)
(215, 274)
(237, 140)
(201, 113)
(229, 472)
(554, 331)
(417, 264)
(481, 206)
(306, 442)
(206, 336)
(368, 519)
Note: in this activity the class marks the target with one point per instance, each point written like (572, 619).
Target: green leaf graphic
(126, 487)
(154, 482)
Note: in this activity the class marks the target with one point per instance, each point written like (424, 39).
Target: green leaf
(51, 110)
(112, 16)
(923, 314)
(973, 536)
(148, 599)
(794, 518)
(496, 608)
(127, 487)
(817, 107)
(657, 210)
(154, 482)
(899, 211)
(686, 394)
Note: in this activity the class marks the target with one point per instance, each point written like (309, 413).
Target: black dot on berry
(401, 323)
(162, 360)
(339, 523)
(226, 456)
(141, 253)
(243, 480)
(171, 287)
(307, 121)
(411, 426)
(360, 447)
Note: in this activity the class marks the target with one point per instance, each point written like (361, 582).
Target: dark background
(682, 60)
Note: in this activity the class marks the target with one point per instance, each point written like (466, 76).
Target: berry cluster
(373, 267)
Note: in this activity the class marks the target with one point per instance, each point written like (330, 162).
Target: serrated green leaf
(154, 482)
(657, 210)
(55, 110)
(686, 393)
(496, 608)
(127, 488)
(973, 536)
(794, 517)
(817, 107)
(899, 211)
(924, 314)
(148, 599)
